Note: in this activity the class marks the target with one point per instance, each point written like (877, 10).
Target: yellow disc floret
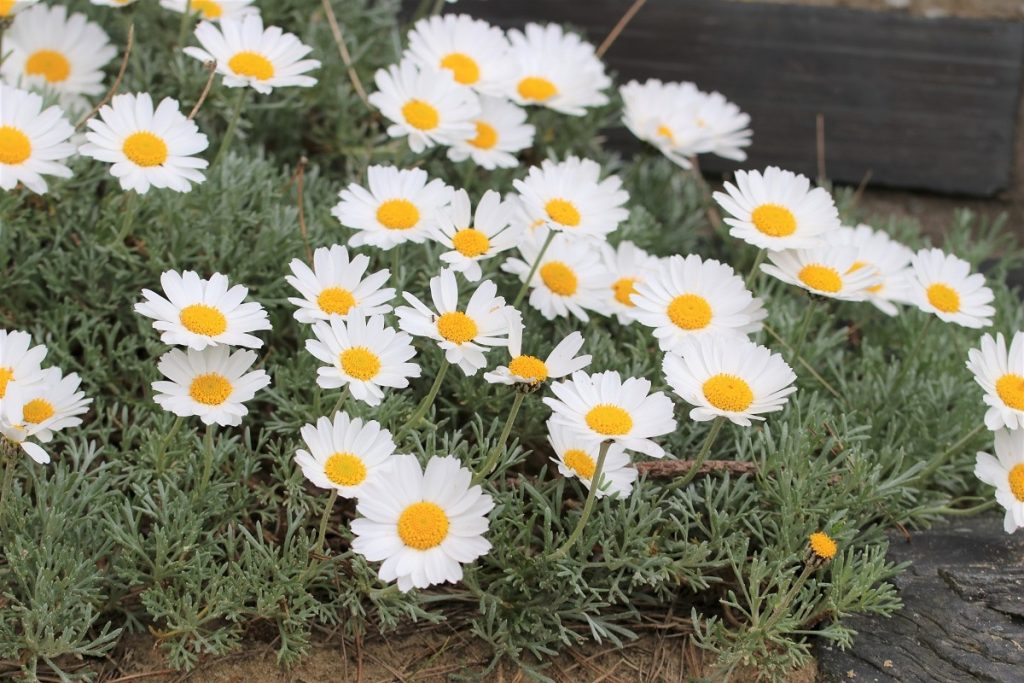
(398, 214)
(210, 389)
(624, 288)
(335, 301)
(1016, 478)
(204, 320)
(486, 136)
(470, 242)
(821, 278)
(50, 64)
(457, 327)
(690, 312)
(145, 149)
(559, 278)
(420, 115)
(463, 67)
(728, 392)
(252, 65)
(360, 362)
(822, 545)
(536, 89)
(530, 368)
(423, 525)
(563, 212)
(609, 420)
(345, 469)
(6, 375)
(15, 147)
(1010, 388)
(37, 410)
(580, 463)
(944, 298)
(774, 220)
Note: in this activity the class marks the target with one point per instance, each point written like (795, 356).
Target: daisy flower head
(55, 51)
(531, 370)
(198, 313)
(576, 456)
(147, 147)
(890, 259)
(422, 524)
(472, 238)
(822, 546)
(210, 10)
(570, 196)
(603, 407)
(335, 286)
(249, 55)
(1000, 372)
(8, 8)
(19, 360)
(473, 51)
(624, 266)
(397, 206)
(724, 127)
(33, 140)
(500, 132)
(464, 335)
(729, 377)
(1005, 471)
(778, 210)
(212, 384)
(556, 70)
(943, 284)
(38, 410)
(362, 354)
(345, 454)
(833, 272)
(427, 106)
(569, 278)
(657, 113)
(689, 297)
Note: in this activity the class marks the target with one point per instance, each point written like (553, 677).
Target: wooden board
(921, 103)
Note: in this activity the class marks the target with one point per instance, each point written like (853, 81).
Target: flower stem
(492, 457)
(425, 404)
(396, 258)
(339, 402)
(755, 270)
(911, 358)
(186, 22)
(588, 506)
(236, 113)
(178, 421)
(938, 462)
(323, 520)
(705, 450)
(207, 458)
(807, 366)
(533, 269)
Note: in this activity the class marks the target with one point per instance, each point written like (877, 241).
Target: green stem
(705, 450)
(533, 269)
(178, 421)
(324, 518)
(938, 462)
(910, 359)
(8, 455)
(780, 608)
(186, 21)
(339, 402)
(425, 404)
(396, 257)
(801, 334)
(130, 207)
(492, 457)
(807, 366)
(755, 270)
(588, 506)
(236, 113)
(207, 459)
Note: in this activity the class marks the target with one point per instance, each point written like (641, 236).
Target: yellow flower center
(360, 362)
(335, 301)
(822, 545)
(210, 389)
(145, 149)
(470, 242)
(423, 525)
(457, 327)
(580, 463)
(559, 278)
(1011, 389)
(728, 392)
(944, 298)
(690, 312)
(208, 8)
(37, 410)
(398, 214)
(562, 211)
(420, 115)
(252, 65)
(666, 132)
(50, 64)
(5, 7)
(529, 367)
(609, 420)
(821, 278)
(774, 220)
(486, 136)
(463, 67)
(345, 469)
(857, 265)
(1017, 481)
(204, 320)
(536, 88)
(624, 288)
(6, 375)
(15, 147)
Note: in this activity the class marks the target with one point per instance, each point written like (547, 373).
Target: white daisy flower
(248, 55)
(475, 52)
(778, 210)
(397, 206)
(603, 407)
(624, 267)
(198, 313)
(33, 141)
(363, 355)
(1006, 472)
(890, 259)
(19, 360)
(50, 49)
(724, 127)
(464, 335)
(576, 456)
(211, 10)
(832, 272)
(556, 70)
(427, 106)
(423, 525)
(660, 114)
(569, 278)
(335, 286)
(475, 238)
(8, 8)
(532, 370)
(147, 147)
(500, 132)
(570, 196)
(687, 297)
(729, 377)
(345, 454)
(37, 410)
(1001, 374)
(943, 284)
(212, 384)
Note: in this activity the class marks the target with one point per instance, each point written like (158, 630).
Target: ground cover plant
(445, 268)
